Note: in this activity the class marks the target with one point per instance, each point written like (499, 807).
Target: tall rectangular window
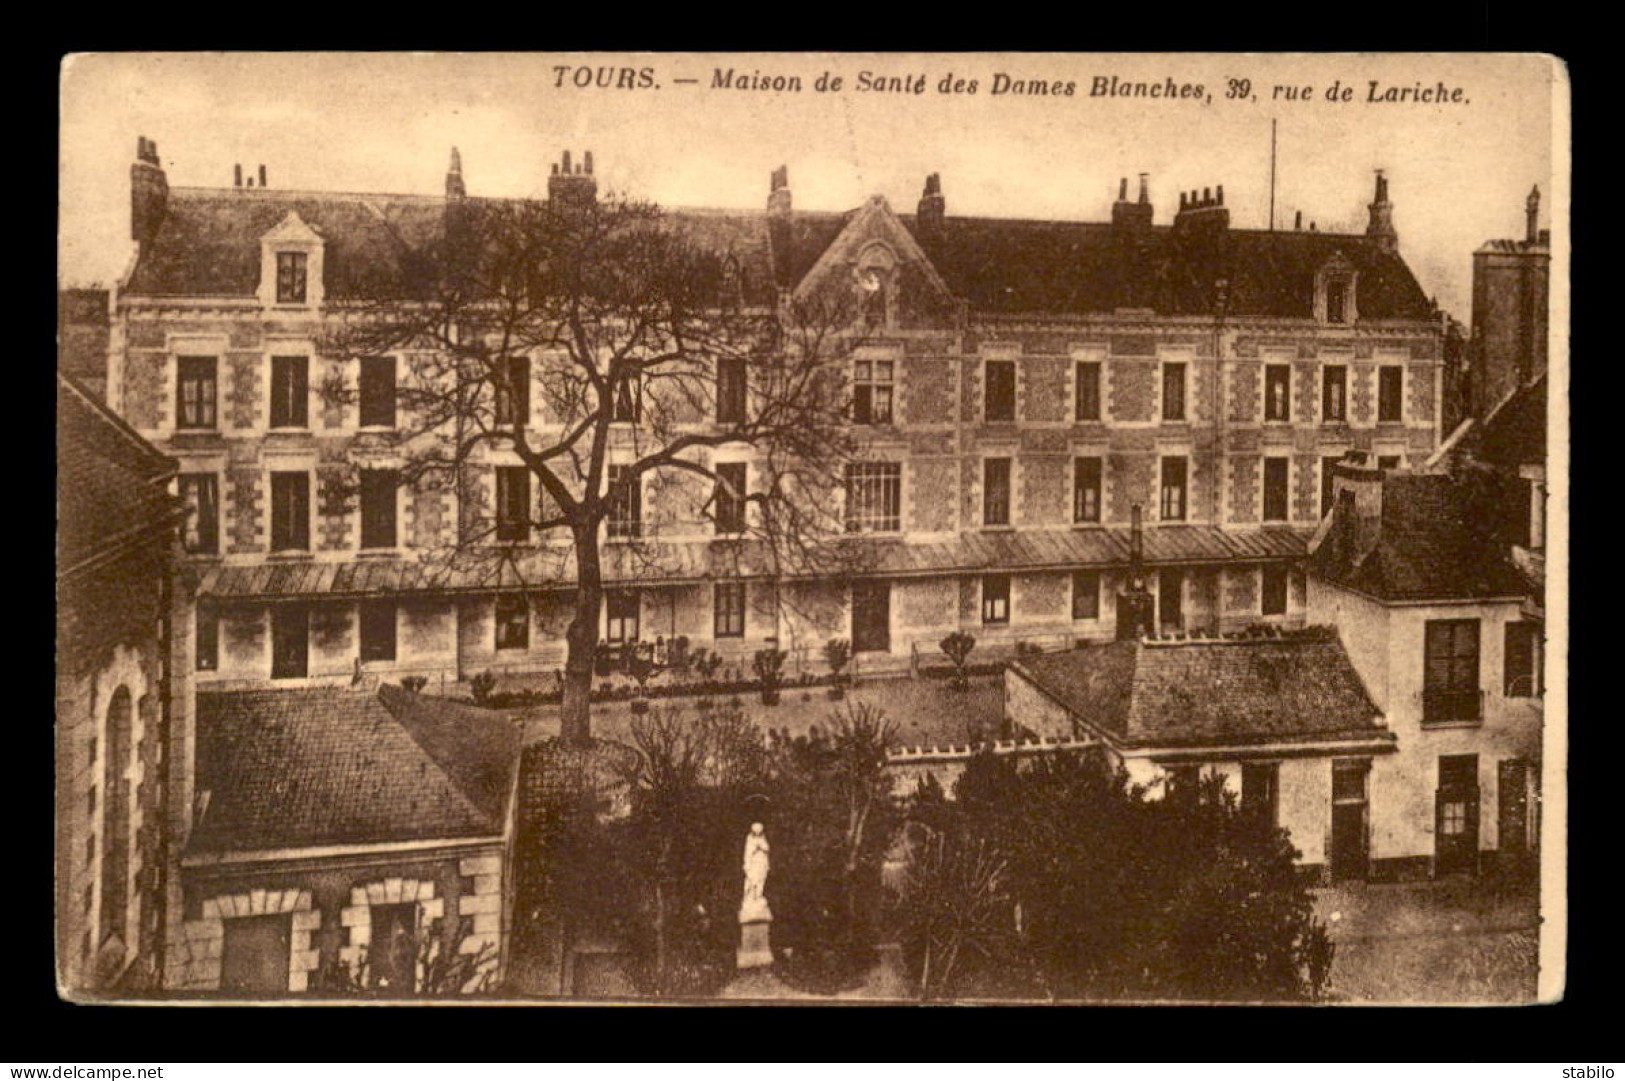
(1173, 489)
(195, 392)
(1086, 489)
(1273, 595)
(1088, 390)
(628, 399)
(730, 497)
(1334, 387)
(1171, 599)
(625, 502)
(1522, 660)
(378, 499)
(290, 512)
(512, 621)
(621, 610)
(1390, 394)
(208, 641)
(1450, 671)
(1085, 594)
(512, 390)
(874, 497)
(1173, 392)
(377, 392)
(377, 630)
(290, 392)
(513, 503)
(995, 491)
(290, 641)
(1275, 489)
(201, 494)
(1001, 391)
(731, 390)
(1337, 297)
(871, 391)
(291, 268)
(995, 598)
(1328, 482)
(729, 602)
(1277, 392)
(1260, 790)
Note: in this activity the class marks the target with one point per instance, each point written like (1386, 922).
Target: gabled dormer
(877, 267)
(1336, 291)
(291, 266)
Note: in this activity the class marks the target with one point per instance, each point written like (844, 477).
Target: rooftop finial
(1145, 189)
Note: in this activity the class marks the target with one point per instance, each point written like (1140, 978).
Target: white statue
(754, 906)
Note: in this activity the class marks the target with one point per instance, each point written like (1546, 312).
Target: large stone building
(1021, 388)
(123, 700)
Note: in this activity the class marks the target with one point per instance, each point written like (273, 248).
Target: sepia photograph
(811, 528)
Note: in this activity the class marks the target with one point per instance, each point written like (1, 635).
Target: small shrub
(957, 648)
(482, 685)
(414, 684)
(769, 665)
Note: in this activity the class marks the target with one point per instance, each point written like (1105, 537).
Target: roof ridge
(403, 699)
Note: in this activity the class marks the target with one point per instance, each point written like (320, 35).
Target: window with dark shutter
(1522, 666)
(1086, 490)
(1450, 689)
(1275, 489)
(290, 392)
(1088, 390)
(513, 503)
(513, 392)
(201, 494)
(1334, 392)
(730, 497)
(378, 392)
(1173, 392)
(1337, 298)
(378, 500)
(1260, 790)
(731, 390)
(1277, 392)
(377, 630)
(1390, 394)
(1085, 594)
(1001, 391)
(290, 641)
(628, 399)
(995, 491)
(290, 512)
(1273, 594)
(208, 641)
(625, 502)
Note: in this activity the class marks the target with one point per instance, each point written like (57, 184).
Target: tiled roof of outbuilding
(1296, 688)
(325, 766)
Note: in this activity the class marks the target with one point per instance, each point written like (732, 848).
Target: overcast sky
(1458, 174)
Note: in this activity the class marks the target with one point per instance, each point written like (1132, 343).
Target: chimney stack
(1297, 220)
(1202, 213)
(237, 176)
(778, 224)
(262, 174)
(1532, 210)
(1381, 226)
(573, 188)
(149, 191)
(933, 209)
(1132, 220)
(454, 177)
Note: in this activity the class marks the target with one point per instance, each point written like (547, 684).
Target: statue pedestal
(755, 947)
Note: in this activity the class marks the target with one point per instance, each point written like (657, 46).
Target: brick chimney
(1202, 214)
(573, 187)
(778, 224)
(454, 177)
(933, 209)
(1381, 226)
(1136, 611)
(1132, 219)
(1532, 212)
(149, 192)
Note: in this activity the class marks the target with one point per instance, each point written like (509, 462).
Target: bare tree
(651, 351)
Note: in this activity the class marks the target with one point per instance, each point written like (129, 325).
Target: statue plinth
(755, 944)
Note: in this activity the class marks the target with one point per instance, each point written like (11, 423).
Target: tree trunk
(575, 712)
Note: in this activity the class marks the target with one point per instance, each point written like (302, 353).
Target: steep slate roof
(1432, 541)
(209, 244)
(111, 483)
(1515, 433)
(699, 561)
(327, 766)
(1297, 688)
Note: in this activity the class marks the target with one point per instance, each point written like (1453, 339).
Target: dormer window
(291, 270)
(874, 286)
(1335, 298)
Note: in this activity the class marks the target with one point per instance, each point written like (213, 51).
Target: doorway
(871, 617)
(1350, 849)
(1456, 815)
(1171, 601)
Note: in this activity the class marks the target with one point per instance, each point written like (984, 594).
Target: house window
(1171, 600)
(1088, 390)
(291, 269)
(1522, 660)
(628, 399)
(195, 392)
(995, 491)
(378, 499)
(730, 497)
(1260, 790)
(1278, 392)
(393, 954)
(513, 503)
(874, 497)
(1274, 591)
(1086, 490)
(377, 630)
(1085, 594)
(255, 953)
(875, 309)
(290, 392)
(208, 641)
(871, 391)
(1328, 481)
(625, 502)
(1275, 489)
(1450, 671)
(512, 392)
(1390, 394)
(1184, 786)
(513, 621)
(731, 390)
(1001, 391)
(290, 641)
(378, 392)
(1337, 300)
(290, 512)
(996, 598)
(1173, 392)
(201, 494)
(621, 616)
(1334, 392)
(730, 609)
(1173, 489)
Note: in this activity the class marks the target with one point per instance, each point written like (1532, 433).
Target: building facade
(1021, 387)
